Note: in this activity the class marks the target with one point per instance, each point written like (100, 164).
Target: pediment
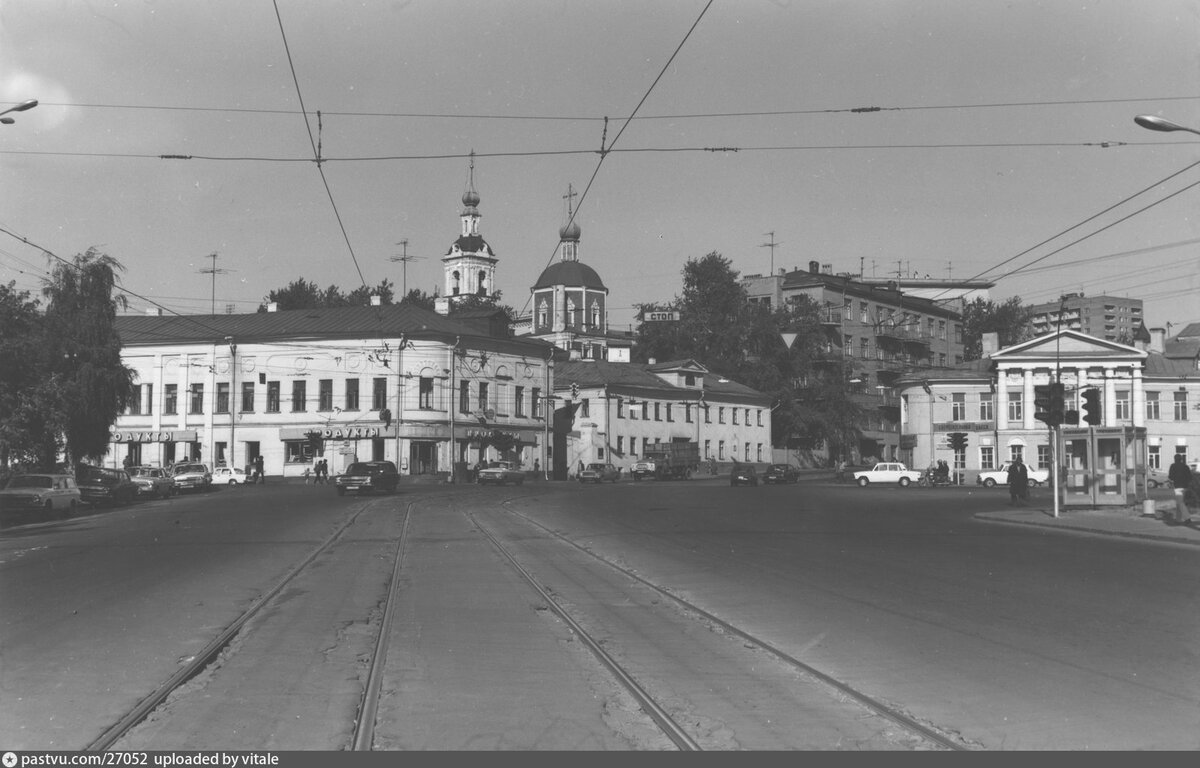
(1068, 344)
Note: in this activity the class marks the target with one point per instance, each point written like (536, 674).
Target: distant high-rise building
(1105, 317)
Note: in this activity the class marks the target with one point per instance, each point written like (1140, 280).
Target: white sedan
(890, 472)
(228, 476)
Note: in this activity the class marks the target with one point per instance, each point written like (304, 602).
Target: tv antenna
(772, 246)
(214, 271)
(404, 259)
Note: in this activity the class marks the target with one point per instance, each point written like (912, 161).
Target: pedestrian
(841, 471)
(1180, 476)
(323, 471)
(1018, 482)
(258, 470)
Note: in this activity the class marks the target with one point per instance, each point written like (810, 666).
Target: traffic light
(1048, 403)
(1071, 417)
(1091, 406)
(958, 441)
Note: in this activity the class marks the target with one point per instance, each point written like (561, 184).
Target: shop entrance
(422, 457)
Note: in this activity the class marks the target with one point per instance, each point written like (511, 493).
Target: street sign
(652, 317)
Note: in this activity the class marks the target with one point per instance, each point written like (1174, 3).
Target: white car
(887, 472)
(990, 478)
(228, 476)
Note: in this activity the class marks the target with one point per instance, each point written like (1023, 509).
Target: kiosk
(1103, 466)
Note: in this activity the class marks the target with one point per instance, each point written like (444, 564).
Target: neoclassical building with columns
(991, 400)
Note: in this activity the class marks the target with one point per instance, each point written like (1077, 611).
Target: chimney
(1158, 338)
(154, 311)
(990, 343)
(273, 306)
(814, 267)
(376, 300)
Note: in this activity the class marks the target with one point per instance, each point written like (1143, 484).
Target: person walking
(1018, 482)
(1180, 476)
(258, 470)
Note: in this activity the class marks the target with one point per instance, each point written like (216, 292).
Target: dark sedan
(368, 477)
(743, 474)
(781, 473)
(100, 485)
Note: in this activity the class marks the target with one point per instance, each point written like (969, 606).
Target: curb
(988, 518)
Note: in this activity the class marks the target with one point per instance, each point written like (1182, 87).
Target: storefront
(160, 448)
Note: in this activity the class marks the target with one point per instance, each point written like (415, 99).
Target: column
(1027, 400)
(1001, 399)
(1138, 397)
(1110, 397)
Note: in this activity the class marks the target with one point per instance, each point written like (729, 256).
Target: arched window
(482, 290)
(595, 314)
(455, 281)
(570, 319)
(543, 320)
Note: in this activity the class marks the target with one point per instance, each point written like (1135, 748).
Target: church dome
(470, 198)
(573, 274)
(569, 231)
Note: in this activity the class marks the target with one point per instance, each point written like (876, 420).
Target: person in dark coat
(1179, 474)
(1018, 482)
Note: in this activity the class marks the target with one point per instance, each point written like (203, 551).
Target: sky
(987, 139)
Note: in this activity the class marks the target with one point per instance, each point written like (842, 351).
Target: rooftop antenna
(771, 245)
(404, 259)
(214, 271)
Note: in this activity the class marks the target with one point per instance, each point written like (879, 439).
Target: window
(1152, 409)
(171, 399)
(987, 410)
(379, 394)
(272, 397)
(658, 411)
(620, 445)
(1121, 404)
(1015, 412)
(864, 312)
(958, 406)
(1154, 460)
(1181, 406)
(299, 396)
(720, 450)
(670, 415)
(464, 397)
(247, 397)
(960, 458)
(222, 397)
(941, 329)
(351, 394)
(196, 405)
(502, 399)
(847, 345)
(747, 422)
(1016, 452)
(746, 452)
(1044, 459)
(585, 409)
(708, 449)
(135, 400)
(734, 414)
(707, 415)
(536, 397)
(864, 348)
(759, 453)
(987, 456)
(519, 401)
(720, 414)
(483, 395)
(687, 412)
(325, 395)
(645, 411)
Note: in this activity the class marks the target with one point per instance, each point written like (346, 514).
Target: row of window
(643, 410)
(1121, 405)
(471, 395)
(749, 452)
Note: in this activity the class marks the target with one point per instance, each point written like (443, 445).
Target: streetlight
(24, 105)
(1158, 124)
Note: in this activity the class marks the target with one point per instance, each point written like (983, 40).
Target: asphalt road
(1011, 638)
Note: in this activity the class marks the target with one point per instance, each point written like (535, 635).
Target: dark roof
(472, 244)
(569, 273)
(800, 279)
(629, 376)
(388, 321)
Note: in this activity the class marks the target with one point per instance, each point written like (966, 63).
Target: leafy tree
(87, 383)
(1010, 320)
(419, 298)
(303, 294)
(22, 415)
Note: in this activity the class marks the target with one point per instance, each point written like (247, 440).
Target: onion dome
(470, 198)
(569, 231)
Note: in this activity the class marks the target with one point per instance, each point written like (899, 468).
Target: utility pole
(772, 244)
(404, 259)
(214, 271)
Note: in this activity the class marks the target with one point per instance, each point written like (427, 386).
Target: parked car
(228, 476)
(47, 491)
(1157, 477)
(781, 473)
(888, 472)
(368, 477)
(500, 473)
(992, 477)
(598, 473)
(154, 482)
(191, 476)
(101, 485)
(743, 474)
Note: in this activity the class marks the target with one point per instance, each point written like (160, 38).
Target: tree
(1009, 320)
(22, 415)
(419, 298)
(87, 385)
(303, 294)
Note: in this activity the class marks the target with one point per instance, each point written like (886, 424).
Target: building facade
(620, 409)
(395, 383)
(992, 401)
(1105, 317)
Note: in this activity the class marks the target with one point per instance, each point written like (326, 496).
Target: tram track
(883, 709)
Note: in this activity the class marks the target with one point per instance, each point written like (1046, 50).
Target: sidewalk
(1113, 521)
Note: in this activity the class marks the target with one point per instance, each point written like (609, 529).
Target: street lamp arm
(24, 105)
(1155, 123)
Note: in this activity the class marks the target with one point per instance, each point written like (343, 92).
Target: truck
(667, 461)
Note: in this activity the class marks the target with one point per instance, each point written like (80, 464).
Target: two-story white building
(991, 400)
(394, 382)
(623, 408)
